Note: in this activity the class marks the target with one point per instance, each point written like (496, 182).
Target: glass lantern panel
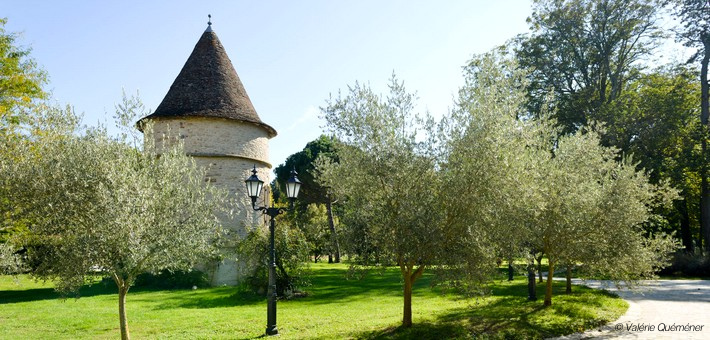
(254, 187)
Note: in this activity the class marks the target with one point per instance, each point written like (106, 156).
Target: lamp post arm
(273, 211)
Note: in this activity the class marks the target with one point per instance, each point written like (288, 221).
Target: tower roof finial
(209, 23)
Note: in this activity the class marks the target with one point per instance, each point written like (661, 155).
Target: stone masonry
(209, 111)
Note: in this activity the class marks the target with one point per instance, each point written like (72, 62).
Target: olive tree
(593, 209)
(488, 156)
(389, 182)
(97, 206)
(532, 191)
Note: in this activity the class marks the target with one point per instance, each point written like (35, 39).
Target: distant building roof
(208, 86)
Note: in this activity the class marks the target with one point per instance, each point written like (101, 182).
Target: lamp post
(254, 186)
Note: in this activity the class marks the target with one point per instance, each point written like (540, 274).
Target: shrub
(173, 280)
(167, 280)
(292, 255)
(689, 264)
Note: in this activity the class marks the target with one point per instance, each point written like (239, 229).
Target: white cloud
(311, 114)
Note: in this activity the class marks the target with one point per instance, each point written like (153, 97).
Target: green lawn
(334, 308)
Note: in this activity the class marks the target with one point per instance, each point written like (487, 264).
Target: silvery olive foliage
(491, 149)
(569, 197)
(594, 205)
(10, 262)
(488, 180)
(95, 205)
(387, 178)
(43, 122)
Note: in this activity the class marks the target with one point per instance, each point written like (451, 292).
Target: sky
(290, 55)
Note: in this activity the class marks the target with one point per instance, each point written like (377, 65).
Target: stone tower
(208, 109)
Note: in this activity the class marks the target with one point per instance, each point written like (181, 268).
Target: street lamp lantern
(254, 186)
(293, 185)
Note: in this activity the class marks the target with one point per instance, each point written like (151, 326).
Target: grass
(370, 308)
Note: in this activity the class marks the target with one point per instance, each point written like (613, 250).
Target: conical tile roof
(208, 86)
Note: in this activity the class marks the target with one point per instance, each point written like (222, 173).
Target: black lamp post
(254, 186)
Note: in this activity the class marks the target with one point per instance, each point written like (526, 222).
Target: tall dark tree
(21, 81)
(588, 54)
(21, 86)
(313, 191)
(695, 33)
(585, 51)
(655, 119)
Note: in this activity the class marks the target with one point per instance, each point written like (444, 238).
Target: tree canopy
(585, 51)
(387, 178)
(304, 162)
(695, 33)
(94, 205)
(21, 82)
(535, 191)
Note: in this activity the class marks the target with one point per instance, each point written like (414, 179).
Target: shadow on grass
(425, 330)
(37, 294)
(508, 315)
(329, 285)
(175, 298)
(221, 297)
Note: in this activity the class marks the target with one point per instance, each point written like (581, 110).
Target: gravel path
(663, 309)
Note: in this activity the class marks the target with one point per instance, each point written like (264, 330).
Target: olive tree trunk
(548, 286)
(568, 276)
(532, 286)
(122, 292)
(410, 275)
(511, 271)
(333, 233)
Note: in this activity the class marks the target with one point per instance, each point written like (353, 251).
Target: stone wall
(216, 137)
(228, 149)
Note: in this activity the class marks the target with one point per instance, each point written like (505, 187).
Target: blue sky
(290, 55)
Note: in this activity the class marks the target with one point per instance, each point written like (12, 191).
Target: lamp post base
(272, 330)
